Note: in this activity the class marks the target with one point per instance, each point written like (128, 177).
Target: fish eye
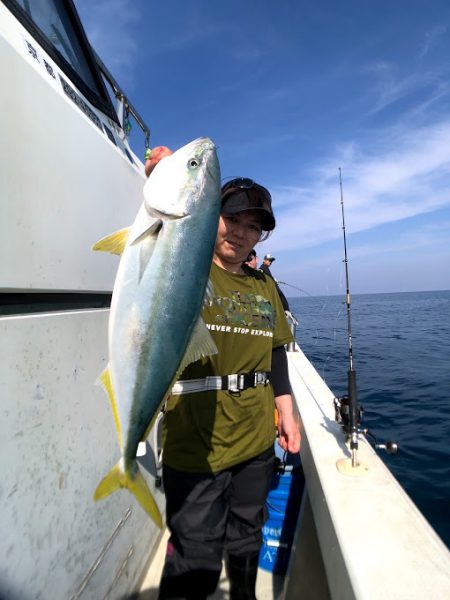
(193, 163)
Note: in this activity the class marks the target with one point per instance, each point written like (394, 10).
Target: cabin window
(52, 19)
(56, 26)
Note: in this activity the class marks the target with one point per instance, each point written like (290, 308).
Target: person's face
(236, 236)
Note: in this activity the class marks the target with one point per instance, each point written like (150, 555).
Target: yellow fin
(114, 243)
(105, 379)
(136, 484)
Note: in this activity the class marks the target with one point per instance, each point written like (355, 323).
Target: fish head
(184, 182)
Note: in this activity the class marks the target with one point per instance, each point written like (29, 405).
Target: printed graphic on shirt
(242, 312)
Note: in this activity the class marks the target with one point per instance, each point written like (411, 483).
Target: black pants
(207, 514)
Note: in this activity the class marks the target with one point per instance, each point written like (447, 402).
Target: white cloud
(396, 177)
(109, 25)
(392, 82)
(430, 236)
(390, 86)
(431, 39)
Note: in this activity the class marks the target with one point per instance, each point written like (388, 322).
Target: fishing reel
(342, 416)
(342, 412)
(389, 447)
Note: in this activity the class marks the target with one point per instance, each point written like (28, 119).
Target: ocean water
(401, 355)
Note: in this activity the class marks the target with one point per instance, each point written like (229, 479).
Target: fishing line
(316, 337)
(338, 330)
(295, 288)
(315, 331)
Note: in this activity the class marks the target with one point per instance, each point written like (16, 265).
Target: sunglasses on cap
(245, 183)
(243, 193)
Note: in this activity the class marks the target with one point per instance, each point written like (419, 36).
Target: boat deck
(268, 585)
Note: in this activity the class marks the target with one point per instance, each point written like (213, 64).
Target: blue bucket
(282, 504)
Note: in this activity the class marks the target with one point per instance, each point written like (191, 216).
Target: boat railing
(124, 107)
(292, 346)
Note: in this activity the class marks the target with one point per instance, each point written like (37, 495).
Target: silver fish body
(154, 328)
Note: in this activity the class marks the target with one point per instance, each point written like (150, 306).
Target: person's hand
(156, 155)
(288, 424)
(291, 317)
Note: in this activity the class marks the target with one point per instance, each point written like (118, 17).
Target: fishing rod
(295, 287)
(348, 412)
(353, 411)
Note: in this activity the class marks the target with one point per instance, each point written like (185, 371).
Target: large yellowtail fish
(155, 328)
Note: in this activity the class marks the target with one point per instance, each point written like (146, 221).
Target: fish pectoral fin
(146, 248)
(150, 227)
(105, 380)
(136, 484)
(169, 214)
(113, 243)
(201, 344)
(209, 293)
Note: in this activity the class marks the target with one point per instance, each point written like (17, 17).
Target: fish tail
(136, 484)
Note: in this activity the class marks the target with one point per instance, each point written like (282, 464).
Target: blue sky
(292, 90)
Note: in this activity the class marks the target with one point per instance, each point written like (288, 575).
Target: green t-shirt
(214, 430)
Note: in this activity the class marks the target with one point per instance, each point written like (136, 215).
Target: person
(266, 263)
(265, 268)
(218, 433)
(252, 259)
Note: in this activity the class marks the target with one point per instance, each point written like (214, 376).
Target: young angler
(219, 423)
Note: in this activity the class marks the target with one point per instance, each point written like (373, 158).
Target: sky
(291, 92)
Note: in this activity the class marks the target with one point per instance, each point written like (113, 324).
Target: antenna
(352, 427)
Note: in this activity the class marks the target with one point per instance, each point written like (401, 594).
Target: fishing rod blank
(352, 429)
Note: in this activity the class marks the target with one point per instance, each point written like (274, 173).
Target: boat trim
(101, 100)
(24, 303)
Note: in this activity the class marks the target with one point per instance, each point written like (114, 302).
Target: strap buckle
(239, 382)
(235, 383)
(261, 377)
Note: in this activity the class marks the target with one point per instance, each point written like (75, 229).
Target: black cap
(243, 194)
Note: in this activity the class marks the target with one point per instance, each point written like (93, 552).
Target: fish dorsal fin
(114, 242)
(201, 344)
(105, 380)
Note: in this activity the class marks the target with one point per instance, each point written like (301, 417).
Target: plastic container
(283, 504)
